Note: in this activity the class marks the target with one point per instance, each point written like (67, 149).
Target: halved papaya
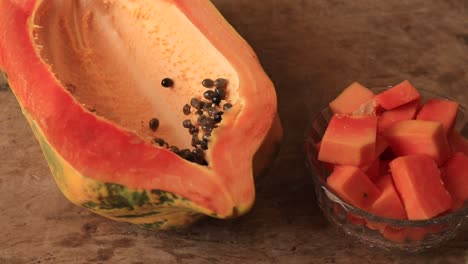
(108, 87)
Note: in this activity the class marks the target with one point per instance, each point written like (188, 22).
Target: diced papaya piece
(369, 108)
(373, 170)
(417, 178)
(398, 95)
(381, 145)
(419, 137)
(351, 99)
(457, 142)
(403, 234)
(353, 186)
(328, 166)
(457, 205)
(349, 140)
(388, 204)
(440, 110)
(390, 117)
(395, 234)
(456, 178)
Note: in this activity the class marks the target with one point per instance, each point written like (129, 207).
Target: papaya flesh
(150, 112)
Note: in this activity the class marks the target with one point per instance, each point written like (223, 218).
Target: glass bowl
(373, 230)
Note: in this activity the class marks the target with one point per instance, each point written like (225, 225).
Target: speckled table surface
(311, 49)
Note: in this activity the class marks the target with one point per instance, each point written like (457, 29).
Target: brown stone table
(311, 49)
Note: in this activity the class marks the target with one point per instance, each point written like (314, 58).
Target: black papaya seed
(206, 137)
(208, 83)
(187, 109)
(221, 92)
(193, 130)
(167, 83)
(208, 95)
(221, 83)
(194, 102)
(154, 124)
(218, 118)
(212, 111)
(227, 106)
(187, 123)
(216, 99)
(174, 149)
(204, 145)
(161, 142)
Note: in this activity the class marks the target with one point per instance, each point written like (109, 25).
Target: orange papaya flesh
(388, 204)
(404, 234)
(93, 86)
(349, 140)
(397, 96)
(390, 117)
(373, 170)
(455, 178)
(440, 110)
(457, 142)
(419, 137)
(394, 234)
(352, 185)
(381, 145)
(418, 181)
(328, 166)
(351, 99)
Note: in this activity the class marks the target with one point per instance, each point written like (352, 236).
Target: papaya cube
(351, 99)
(395, 234)
(403, 234)
(390, 117)
(381, 145)
(373, 170)
(440, 110)
(388, 204)
(456, 177)
(353, 186)
(457, 142)
(419, 137)
(418, 180)
(398, 95)
(349, 140)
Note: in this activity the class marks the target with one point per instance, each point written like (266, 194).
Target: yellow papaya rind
(152, 209)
